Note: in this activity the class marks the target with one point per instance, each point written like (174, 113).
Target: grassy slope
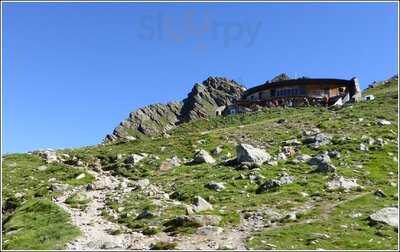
(40, 223)
(261, 128)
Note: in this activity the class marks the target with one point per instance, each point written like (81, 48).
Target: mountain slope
(147, 187)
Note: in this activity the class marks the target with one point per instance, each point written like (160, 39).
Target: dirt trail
(95, 229)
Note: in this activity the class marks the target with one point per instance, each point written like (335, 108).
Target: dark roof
(293, 82)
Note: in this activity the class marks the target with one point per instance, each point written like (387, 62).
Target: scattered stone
(288, 151)
(80, 176)
(387, 215)
(339, 182)
(59, 187)
(146, 214)
(317, 140)
(201, 204)
(215, 186)
(216, 151)
(273, 184)
(134, 159)
(291, 216)
(246, 153)
(325, 167)
(170, 164)
(304, 194)
(50, 156)
(18, 195)
(272, 163)
(203, 156)
(90, 187)
(303, 158)
(292, 142)
(383, 122)
(380, 193)
(311, 132)
(363, 147)
(52, 180)
(380, 141)
(142, 184)
(320, 158)
(334, 154)
(42, 168)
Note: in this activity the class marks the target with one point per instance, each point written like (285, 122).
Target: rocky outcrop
(280, 77)
(150, 120)
(205, 98)
(157, 119)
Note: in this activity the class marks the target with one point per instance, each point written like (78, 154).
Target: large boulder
(387, 215)
(248, 154)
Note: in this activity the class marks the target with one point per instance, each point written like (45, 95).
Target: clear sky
(73, 71)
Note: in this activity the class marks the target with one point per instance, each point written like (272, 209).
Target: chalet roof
(294, 82)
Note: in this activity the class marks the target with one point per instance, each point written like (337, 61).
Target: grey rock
(80, 176)
(342, 183)
(383, 122)
(201, 204)
(303, 158)
(380, 193)
(273, 184)
(142, 184)
(325, 167)
(387, 215)
(334, 154)
(134, 159)
(320, 158)
(363, 147)
(317, 140)
(246, 153)
(56, 187)
(169, 164)
(49, 155)
(215, 186)
(292, 142)
(145, 215)
(216, 151)
(203, 156)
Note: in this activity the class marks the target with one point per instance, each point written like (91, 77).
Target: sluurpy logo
(199, 29)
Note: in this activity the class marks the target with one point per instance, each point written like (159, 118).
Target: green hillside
(324, 219)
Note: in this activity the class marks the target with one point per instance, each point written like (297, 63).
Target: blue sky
(73, 71)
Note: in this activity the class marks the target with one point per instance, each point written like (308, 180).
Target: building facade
(298, 92)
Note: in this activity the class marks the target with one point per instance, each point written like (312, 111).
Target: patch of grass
(38, 225)
(77, 200)
(163, 246)
(339, 231)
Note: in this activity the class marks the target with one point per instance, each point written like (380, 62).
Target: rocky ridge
(157, 119)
